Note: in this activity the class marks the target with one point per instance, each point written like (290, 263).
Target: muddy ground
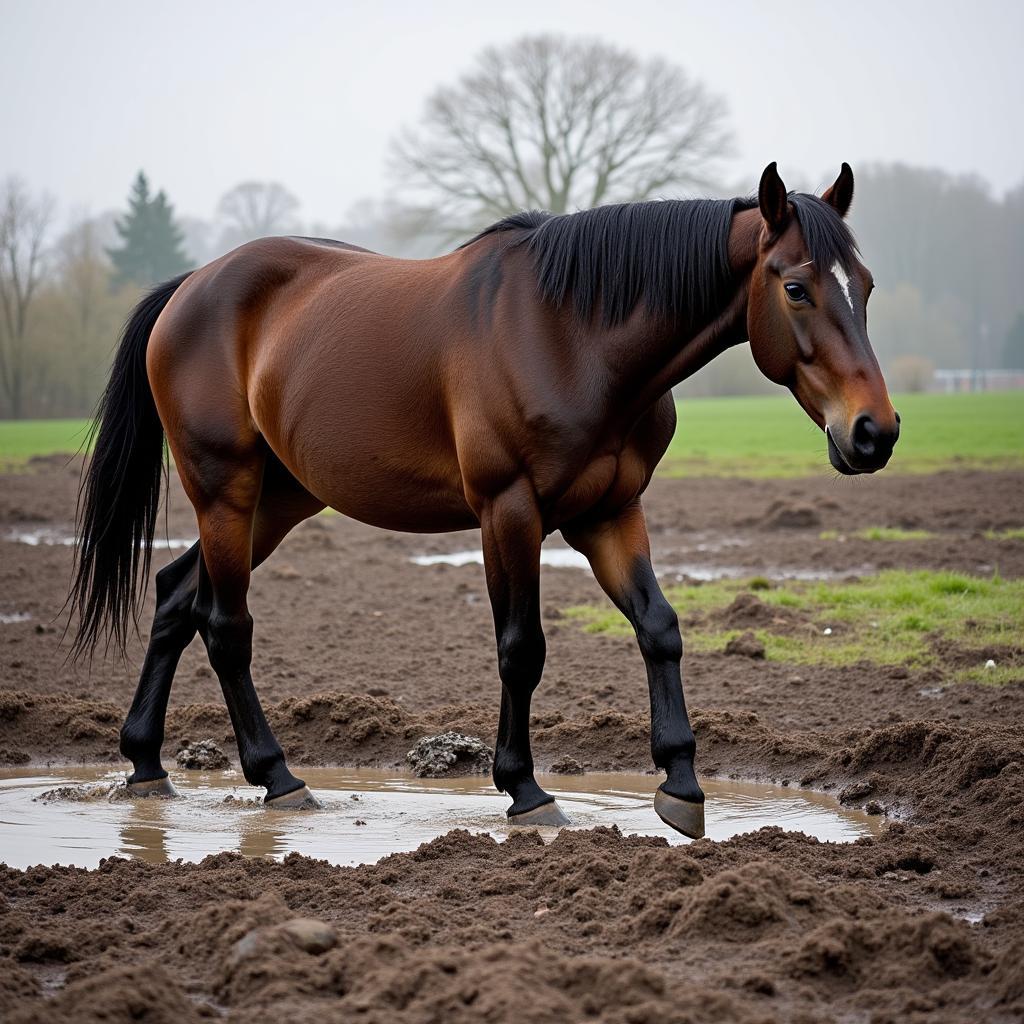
(359, 652)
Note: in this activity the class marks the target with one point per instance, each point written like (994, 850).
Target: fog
(358, 121)
(204, 95)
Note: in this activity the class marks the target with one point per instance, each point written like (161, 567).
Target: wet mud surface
(360, 653)
(81, 816)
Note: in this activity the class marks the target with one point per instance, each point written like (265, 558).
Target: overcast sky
(203, 95)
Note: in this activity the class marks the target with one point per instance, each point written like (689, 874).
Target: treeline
(947, 257)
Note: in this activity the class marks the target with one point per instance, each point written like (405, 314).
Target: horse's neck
(669, 355)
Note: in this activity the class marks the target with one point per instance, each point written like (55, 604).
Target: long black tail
(120, 492)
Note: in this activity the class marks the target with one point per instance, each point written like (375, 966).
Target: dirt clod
(204, 756)
(746, 645)
(450, 753)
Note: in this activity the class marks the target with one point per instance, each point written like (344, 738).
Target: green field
(897, 617)
(22, 439)
(740, 436)
(774, 437)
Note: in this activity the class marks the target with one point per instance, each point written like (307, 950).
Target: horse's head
(807, 321)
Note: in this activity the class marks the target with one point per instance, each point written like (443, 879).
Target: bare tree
(255, 209)
(24, 223)
(559, 124)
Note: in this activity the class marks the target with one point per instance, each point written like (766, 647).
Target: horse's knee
(657, 633)
(521, 654)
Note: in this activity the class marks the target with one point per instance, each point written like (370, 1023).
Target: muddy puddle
(46, 536)
(367, 814)
(567, 558)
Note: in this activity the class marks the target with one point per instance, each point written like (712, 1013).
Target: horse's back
(339, 358)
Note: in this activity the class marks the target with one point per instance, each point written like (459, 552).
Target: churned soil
(359, 653)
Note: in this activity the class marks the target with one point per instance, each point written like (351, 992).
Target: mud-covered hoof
(684, 816)
(153, 787)
(547, 814)
(300, 799)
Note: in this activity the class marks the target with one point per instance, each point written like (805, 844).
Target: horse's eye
(796, 291)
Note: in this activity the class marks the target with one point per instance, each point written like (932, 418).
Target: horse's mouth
(835, 456)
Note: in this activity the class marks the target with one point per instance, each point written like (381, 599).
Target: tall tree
(24, 223)
(556, 123)
(151, 246)
(255, 209)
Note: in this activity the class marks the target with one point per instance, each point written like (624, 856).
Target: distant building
(952, 381)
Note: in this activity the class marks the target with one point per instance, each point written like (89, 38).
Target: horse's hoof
(152, 787)
(684, 816)
(547, 814)
(300, 799)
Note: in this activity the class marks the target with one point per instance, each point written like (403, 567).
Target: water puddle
(47, 536)
(557, 558)
(367, 814)
(567, 558)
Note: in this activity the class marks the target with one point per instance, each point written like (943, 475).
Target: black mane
(670, 255)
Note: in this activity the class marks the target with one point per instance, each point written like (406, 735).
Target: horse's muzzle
(867, 449)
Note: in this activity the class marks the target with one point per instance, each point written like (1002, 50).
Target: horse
(520, 384)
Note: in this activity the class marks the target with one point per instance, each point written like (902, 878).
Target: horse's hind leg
(283, 504)
(511, 533)
(226, 492)
(173, 629)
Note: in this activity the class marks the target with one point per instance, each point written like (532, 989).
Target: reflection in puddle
(47, 536)
(567, 558)
(558, 558)
(367, 814)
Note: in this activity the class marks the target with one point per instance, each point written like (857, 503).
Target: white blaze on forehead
(844, 281)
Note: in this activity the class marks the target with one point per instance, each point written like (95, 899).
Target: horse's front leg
(619, 552)
(511, 533)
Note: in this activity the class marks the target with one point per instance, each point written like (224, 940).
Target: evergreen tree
(151, 243)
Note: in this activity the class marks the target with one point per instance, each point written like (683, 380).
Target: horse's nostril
(865, 435)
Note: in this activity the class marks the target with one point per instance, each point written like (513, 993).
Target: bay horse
(520, 384)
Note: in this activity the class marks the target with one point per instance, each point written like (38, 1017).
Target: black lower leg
(657, 629)
(229, 644)
(520, 663)
(142, 734)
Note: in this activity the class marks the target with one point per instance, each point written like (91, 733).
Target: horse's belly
(409, 506)
(385, 478)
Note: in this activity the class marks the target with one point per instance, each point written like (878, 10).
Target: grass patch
(893, 618)
(886, 533)
(1013, 534)
(772, 437)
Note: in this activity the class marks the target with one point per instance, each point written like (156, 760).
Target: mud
(360, 653)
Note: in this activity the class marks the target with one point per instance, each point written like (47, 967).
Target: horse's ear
(771, 198)
(840, 194)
